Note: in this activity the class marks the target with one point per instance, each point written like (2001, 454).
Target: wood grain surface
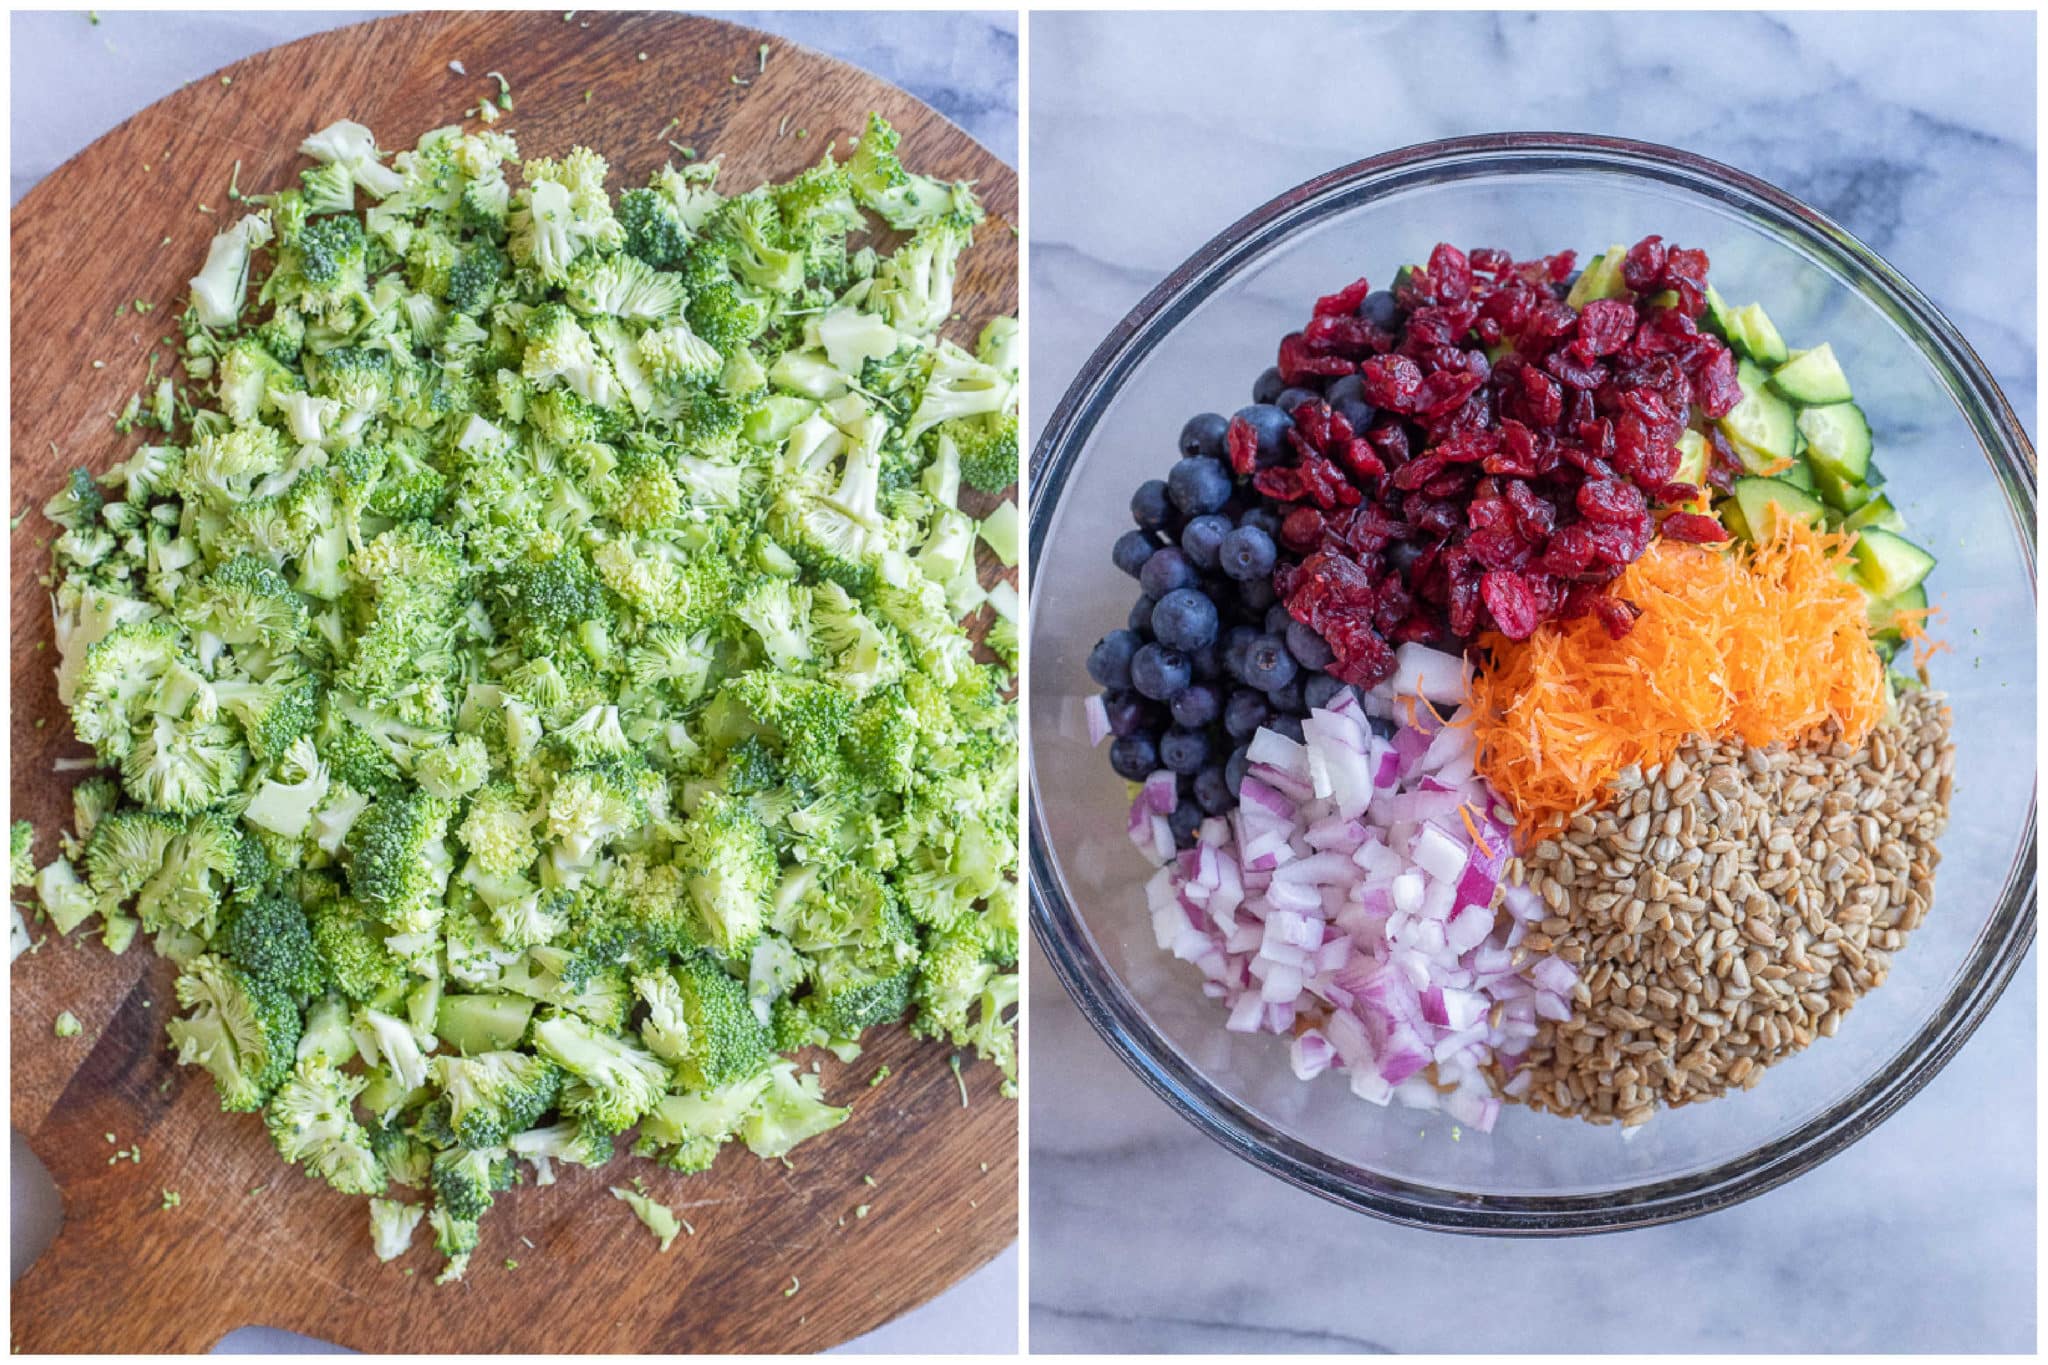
(778, 1261)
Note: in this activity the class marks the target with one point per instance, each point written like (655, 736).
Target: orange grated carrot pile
(1766, 646)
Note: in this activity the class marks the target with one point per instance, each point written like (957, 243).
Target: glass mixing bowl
(1961, 470)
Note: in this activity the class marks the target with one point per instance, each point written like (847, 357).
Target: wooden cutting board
(779, 1261)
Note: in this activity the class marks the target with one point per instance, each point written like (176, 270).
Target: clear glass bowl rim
(1116, 1016)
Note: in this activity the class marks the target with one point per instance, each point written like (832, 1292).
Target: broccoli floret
(685, 1132)
(791, 1109)
(903, 199)
(727, 1040)
(493, 1095)
(398, 859)
(242, 1031)
(312, 1122)
(654, 229)
(268, 938)
(731, 870)
(392, 1223)
(987, 447)
(620, 1081)
(455, 1237)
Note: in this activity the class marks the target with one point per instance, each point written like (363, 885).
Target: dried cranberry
(1605, 326)
(1345, 300)
(1642, 269)
(1451, 271)
(1302, 530)
(1297, 363)
(1241, 442)
(1611, 501)
(1393, 382)
(1513, 600)
(1695, 527)
(1617, 614)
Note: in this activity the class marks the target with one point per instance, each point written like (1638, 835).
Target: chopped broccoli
(526, 669)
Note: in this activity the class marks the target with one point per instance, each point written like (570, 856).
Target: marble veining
(1152, 133)
(962, 64)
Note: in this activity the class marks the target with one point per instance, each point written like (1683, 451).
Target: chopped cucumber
(1876, 513)
(1800, 475)
(1889, 564)
(1837, 437)
(1844, 495)
(482, 1023)
(1885, 612)
(1756, 336)
(1692, 458)
(1762, 427)
(1730, 513)
(1764, 500)
(1601, 279)
(1812, 378)
(1720, 317)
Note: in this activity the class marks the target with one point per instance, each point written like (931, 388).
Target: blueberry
(1277, 619)
(1160, 672)
(1109, 663)
(1185, 822)
(1271, 426)
(1204, 435)
(1165, 571)
(1185, 751)
(1185, 619)
(1202, 537)
(1131, 714)
(1267, 665)
(1289, 726)
(1381, 309)
(1140, 618)
(1319, 691)
(1265, 518)
(1235, 642)
(1347, 396)
(1246, 553)
(1131, 551)
(1149, 507)
(1212, 791)
(1286, 698)
(1234, 769)
(1198, 485)
(1268, 385)
(1246, 711)
(1134, 757)
(1198, 706)
(1290, 399)
(1309, 649)
(1257, 594)
(1206, 662)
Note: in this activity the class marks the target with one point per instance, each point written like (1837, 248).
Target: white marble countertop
(1918, 133)
(73, 80)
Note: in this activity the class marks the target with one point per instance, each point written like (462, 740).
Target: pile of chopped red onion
(1349, 901)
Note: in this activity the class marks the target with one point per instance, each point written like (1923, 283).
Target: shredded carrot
(1767, 646)
(1465, 814)
(1912, 624)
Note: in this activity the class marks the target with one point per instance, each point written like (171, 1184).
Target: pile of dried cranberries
(1473, 453)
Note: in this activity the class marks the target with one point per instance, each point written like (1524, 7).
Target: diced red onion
(1161, 792)
(1098, 720)
(1352, 891)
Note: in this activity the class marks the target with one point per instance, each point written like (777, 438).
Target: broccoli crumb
(659, 1218)
(881, 1074)
(860, 1210)
(794, 1285)
(172, 1199)
(67, 1025)
(960, 1080)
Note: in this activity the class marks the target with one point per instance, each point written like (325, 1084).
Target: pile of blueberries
(1209, 655)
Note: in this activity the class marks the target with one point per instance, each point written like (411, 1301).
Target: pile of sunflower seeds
(1726, 909)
